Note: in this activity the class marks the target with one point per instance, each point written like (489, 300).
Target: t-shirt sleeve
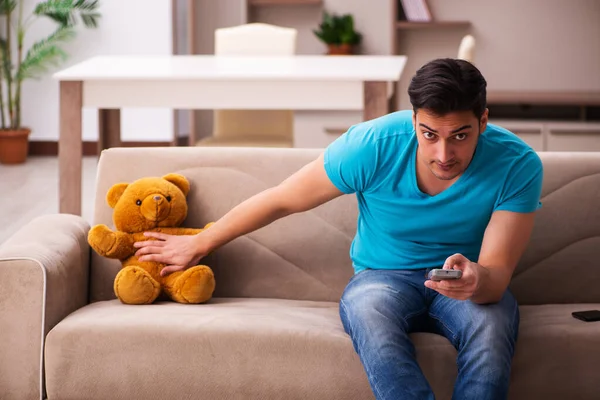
(523, 188)
(351, 160)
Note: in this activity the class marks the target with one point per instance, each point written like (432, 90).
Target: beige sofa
(272, 331)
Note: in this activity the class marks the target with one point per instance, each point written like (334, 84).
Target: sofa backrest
(306, 256)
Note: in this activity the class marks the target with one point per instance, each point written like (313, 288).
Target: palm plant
(42, 55)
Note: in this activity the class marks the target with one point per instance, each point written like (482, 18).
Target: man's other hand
(459, 289)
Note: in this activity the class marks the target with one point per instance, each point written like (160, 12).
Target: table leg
(109, 129)
(192, 135)
(393, 101)
(70, 147)
(375, 100)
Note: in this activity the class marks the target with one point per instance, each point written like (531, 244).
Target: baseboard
(90, 148)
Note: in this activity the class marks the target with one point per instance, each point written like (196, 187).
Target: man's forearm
(492, 285)
(252, 214)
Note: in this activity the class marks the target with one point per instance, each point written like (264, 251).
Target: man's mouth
(446, 167)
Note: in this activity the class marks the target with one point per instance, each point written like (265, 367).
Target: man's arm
(308, 188)
(486, 280)
(504, 242)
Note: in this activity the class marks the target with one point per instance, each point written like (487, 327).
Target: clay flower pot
(14, 145)
(340, 49)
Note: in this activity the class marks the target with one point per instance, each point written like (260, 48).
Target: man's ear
(483, 121)
(414, 120)
(180, 181)
(115, 193)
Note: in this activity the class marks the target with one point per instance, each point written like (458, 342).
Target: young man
(436, 187)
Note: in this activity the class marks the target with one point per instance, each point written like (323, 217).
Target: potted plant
(16, 65)
(337, 32)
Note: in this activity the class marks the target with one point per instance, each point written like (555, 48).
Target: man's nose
(444, 152)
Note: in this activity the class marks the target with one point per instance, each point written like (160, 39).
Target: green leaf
(7, 6)
(335, 29)
(44, 53)
(64, 12)
(6, 66)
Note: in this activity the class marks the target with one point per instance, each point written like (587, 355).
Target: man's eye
(428, 135)
(460, 136)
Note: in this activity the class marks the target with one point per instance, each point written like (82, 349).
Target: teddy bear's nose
(157, 198)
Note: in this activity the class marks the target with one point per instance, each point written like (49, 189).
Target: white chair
(253, 128)
(466, 50)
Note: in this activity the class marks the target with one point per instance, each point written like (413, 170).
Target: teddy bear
(155, 204)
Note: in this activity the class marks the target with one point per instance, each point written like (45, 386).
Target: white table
(209, 82)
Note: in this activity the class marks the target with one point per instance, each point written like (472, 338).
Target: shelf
(408, 25)
(335, 130)
(285, 2)
(580, 98)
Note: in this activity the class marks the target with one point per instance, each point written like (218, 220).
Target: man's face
(447, 143)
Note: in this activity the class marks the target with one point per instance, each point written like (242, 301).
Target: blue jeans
(379, 308)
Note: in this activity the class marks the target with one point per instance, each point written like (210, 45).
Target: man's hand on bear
(177, 252)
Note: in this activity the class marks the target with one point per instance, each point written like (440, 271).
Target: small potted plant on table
(337, 32)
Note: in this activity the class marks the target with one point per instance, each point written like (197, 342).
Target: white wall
(150, 34)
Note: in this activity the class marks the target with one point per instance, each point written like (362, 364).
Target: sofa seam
(257, 242)
(546, 257)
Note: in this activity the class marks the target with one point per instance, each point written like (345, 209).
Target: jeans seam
(375, 379)
(439, 319)
(515, 322)
(346, 312)
(409, 316)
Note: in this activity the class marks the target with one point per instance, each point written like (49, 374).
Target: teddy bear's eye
(168, 198)
(139, 202)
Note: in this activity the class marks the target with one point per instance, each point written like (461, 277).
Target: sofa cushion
(283, 349)
(229, 348)
(557, 356)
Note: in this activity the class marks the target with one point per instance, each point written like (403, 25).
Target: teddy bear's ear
(115, 193)
(180, 181)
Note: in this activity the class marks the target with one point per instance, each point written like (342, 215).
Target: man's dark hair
(447, 85)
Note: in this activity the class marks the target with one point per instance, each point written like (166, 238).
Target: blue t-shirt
(399, 226)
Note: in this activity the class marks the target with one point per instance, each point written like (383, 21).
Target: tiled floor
(31, 189)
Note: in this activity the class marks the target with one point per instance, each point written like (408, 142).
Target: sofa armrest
(44, 269)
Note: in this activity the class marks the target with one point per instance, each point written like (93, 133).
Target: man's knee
(495, 324)
(373, 301)
(364, 303)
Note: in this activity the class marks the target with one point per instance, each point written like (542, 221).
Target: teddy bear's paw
(102, 239)
(134, 285)
(195, 285)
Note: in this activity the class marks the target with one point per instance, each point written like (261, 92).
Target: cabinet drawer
(317, 129)
(574, 140)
